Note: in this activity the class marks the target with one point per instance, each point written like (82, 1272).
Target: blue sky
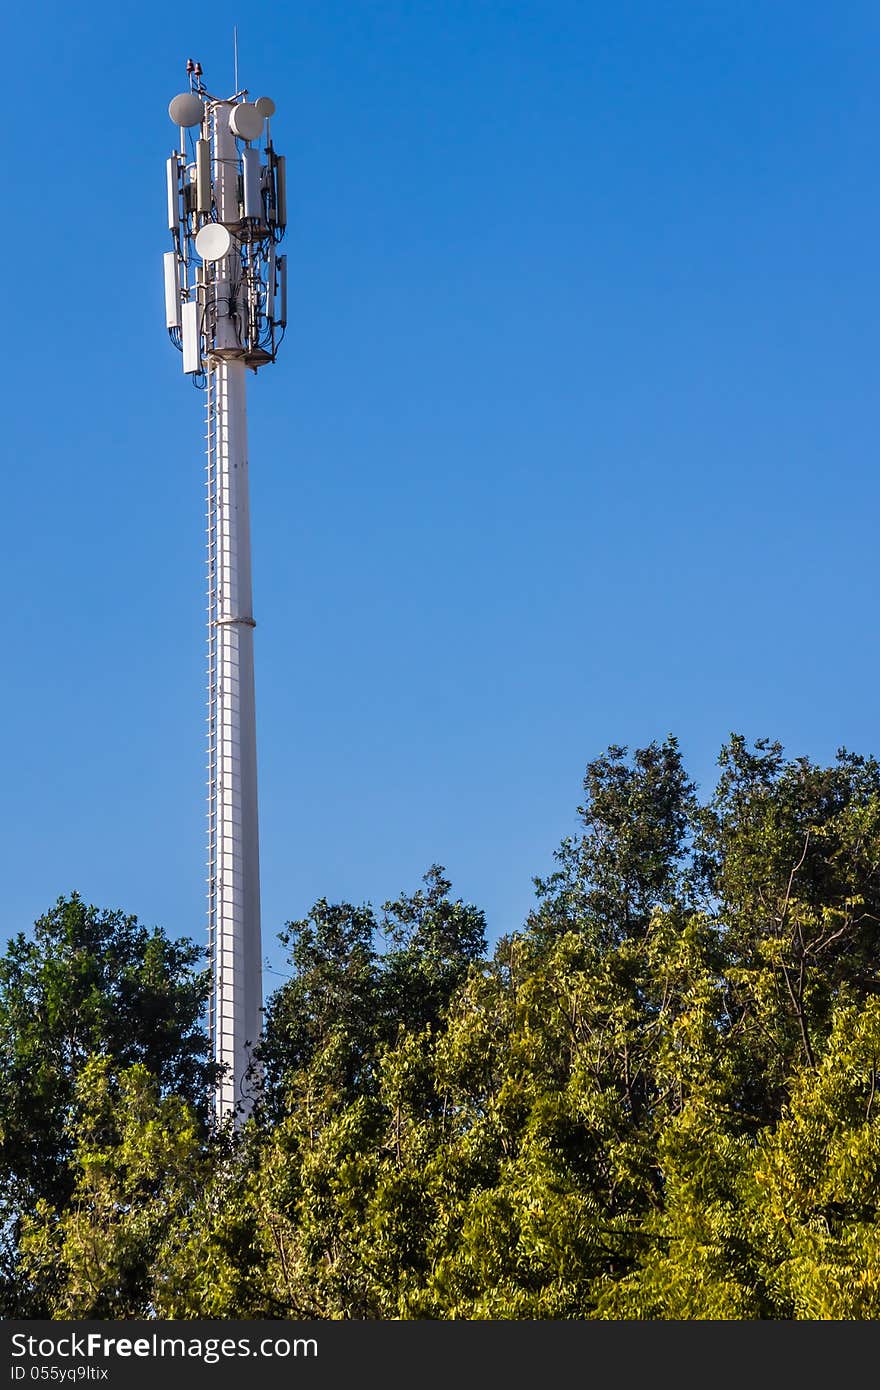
(572, 439)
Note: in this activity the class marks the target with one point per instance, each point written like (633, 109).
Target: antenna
(226, 310)
(235, 54)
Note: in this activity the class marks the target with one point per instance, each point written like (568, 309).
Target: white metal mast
(225, 295)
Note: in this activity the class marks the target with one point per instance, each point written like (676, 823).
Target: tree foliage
(86, 983)
(657, 1100)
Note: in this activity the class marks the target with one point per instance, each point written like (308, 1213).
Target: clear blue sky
(573, 439)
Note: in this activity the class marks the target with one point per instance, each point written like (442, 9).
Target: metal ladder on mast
(211, 563)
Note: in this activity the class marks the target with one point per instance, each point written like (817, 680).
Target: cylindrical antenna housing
(203, 176)
(270, 284)
(172, 290)
(172, 171)
(191, 333)
(282, 291)
(253, 197)
(281, 190)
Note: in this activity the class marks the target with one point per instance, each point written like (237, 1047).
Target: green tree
(656, 1100)
(791, 855)
(348, 998)
(87, 982)
(637, 821)
(138, 1162)
(433, 941)
(814, 1199)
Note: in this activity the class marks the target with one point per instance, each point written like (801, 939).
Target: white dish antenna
(246, 121)
(213, 241)
(265, 106)
(186, 109)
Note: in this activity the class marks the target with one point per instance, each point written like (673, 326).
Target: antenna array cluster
(225, 283)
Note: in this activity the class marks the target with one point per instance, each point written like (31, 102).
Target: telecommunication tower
(226, 310)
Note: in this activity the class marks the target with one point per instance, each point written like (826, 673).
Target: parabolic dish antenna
(246, 121)
(186, 109)
(265, 106)
(213, 241)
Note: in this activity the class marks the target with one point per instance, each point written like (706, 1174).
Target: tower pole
(233, 839)
(233, 835)
(225, 302)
